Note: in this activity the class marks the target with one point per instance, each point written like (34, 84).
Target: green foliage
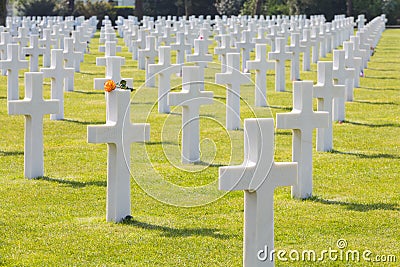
(36, 7)
(392, 10)
(99, 9)
(315, 7)
(124, 11)
(269, 7)
(370, 8)
(156, 8)
(3, 11)
(228, 7)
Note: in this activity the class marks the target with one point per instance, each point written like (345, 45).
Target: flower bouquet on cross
(110, 85)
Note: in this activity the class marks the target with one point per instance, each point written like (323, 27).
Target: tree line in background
(371, 8)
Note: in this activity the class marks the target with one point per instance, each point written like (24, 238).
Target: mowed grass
(179, 216)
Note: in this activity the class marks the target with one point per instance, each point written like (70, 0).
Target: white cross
(167, 38)
(258, 176)
(272, 36)
(224, 49)
(261, 65)
(58, 37)
(47, 43)
(72, 58)
(79, 45)
(13, 64)
(190, 98)
(148, 53)
(261, 37)
(58, 73)
(34, 107)
(358, 52)
(328, 37)
(307, 42)
(342, 76)
(110, 48)
(200, 57)
(316, 40)
(280, 56)
(139, 43)
(164, 69)
(352, 61)
(233, 78)
(245, 46)
(296, 48)
(146, 57)
(325, 91)
(118, 133)
(181, 48)
(110, 51)
(4, 41)
(113, 72)
(34, 50)
(22, 39)
(361, 21)
(303, 119)
(322, 35)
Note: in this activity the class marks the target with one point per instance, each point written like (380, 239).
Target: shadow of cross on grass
(366, 156)
(73, 184)
(11, 153)
(372, 125)
(363, 207)
(176, 232)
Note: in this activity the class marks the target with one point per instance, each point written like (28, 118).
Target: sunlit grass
(59, 220)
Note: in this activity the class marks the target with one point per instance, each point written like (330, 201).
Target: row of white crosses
(245, 44)
(257, 176)
(33, 106)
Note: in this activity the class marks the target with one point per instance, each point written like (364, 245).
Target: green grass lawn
(179, 216)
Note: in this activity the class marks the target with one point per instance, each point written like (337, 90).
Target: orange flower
(109, 85)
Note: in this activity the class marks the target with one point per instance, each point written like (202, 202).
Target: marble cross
(261, 65)
(296, 48)
(307, 42)
(224, 49)
(233, 78)
(13, 64)
(146, 57)
(325, 91)
(34, 107)
(164, 69)
(258, 176)
(342, 76)
(58, 74)
(181, 48)
(34, 51)
(302, 120)
(246, 45)
(113, 72)
(190, 98)
(280, 55)
(316, 40)
(72, 60)
(118, 133)
(5, 39)
(46, 42)
(200, 57)
(352, 62)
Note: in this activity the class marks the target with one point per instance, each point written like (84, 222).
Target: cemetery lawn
(59, 219)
